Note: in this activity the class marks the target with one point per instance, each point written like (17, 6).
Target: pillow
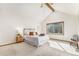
(31, 33)
(42, 35)
(36, 33)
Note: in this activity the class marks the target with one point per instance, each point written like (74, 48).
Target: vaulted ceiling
(29, 13)
(33, 13)
(69, 8)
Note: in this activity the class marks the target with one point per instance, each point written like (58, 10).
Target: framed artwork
(55, 28)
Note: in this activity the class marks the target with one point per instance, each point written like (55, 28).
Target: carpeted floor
(24, 49)
(64, 46)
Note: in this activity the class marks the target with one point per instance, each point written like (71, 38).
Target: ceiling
(31, 8)
(69, 8)
(32, 13)
(29, 13)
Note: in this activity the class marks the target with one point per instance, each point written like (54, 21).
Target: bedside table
(19, 38)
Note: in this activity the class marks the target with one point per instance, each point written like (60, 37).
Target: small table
(19, 38)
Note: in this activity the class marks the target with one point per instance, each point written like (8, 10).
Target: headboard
(27, 30)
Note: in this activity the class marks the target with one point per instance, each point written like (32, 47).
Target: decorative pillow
(36, 33)
(42, 35)
(31, 33)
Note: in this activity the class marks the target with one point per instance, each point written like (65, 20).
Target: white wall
(70, 24)
(78, 25)
(13, 16)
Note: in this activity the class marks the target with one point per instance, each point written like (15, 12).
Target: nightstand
(19, 38)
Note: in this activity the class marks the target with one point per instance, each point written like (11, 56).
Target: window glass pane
(55, 28)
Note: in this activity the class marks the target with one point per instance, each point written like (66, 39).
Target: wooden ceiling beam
(49, 6)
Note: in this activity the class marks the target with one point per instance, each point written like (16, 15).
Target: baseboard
(61, 40)
(65, 41)
(8, 44)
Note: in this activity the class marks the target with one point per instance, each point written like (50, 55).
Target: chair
(75, 40)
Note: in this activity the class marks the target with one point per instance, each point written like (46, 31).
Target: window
(55, 28)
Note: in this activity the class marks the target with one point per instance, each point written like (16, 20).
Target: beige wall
(70, 24)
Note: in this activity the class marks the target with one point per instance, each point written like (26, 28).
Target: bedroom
(15, 17)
